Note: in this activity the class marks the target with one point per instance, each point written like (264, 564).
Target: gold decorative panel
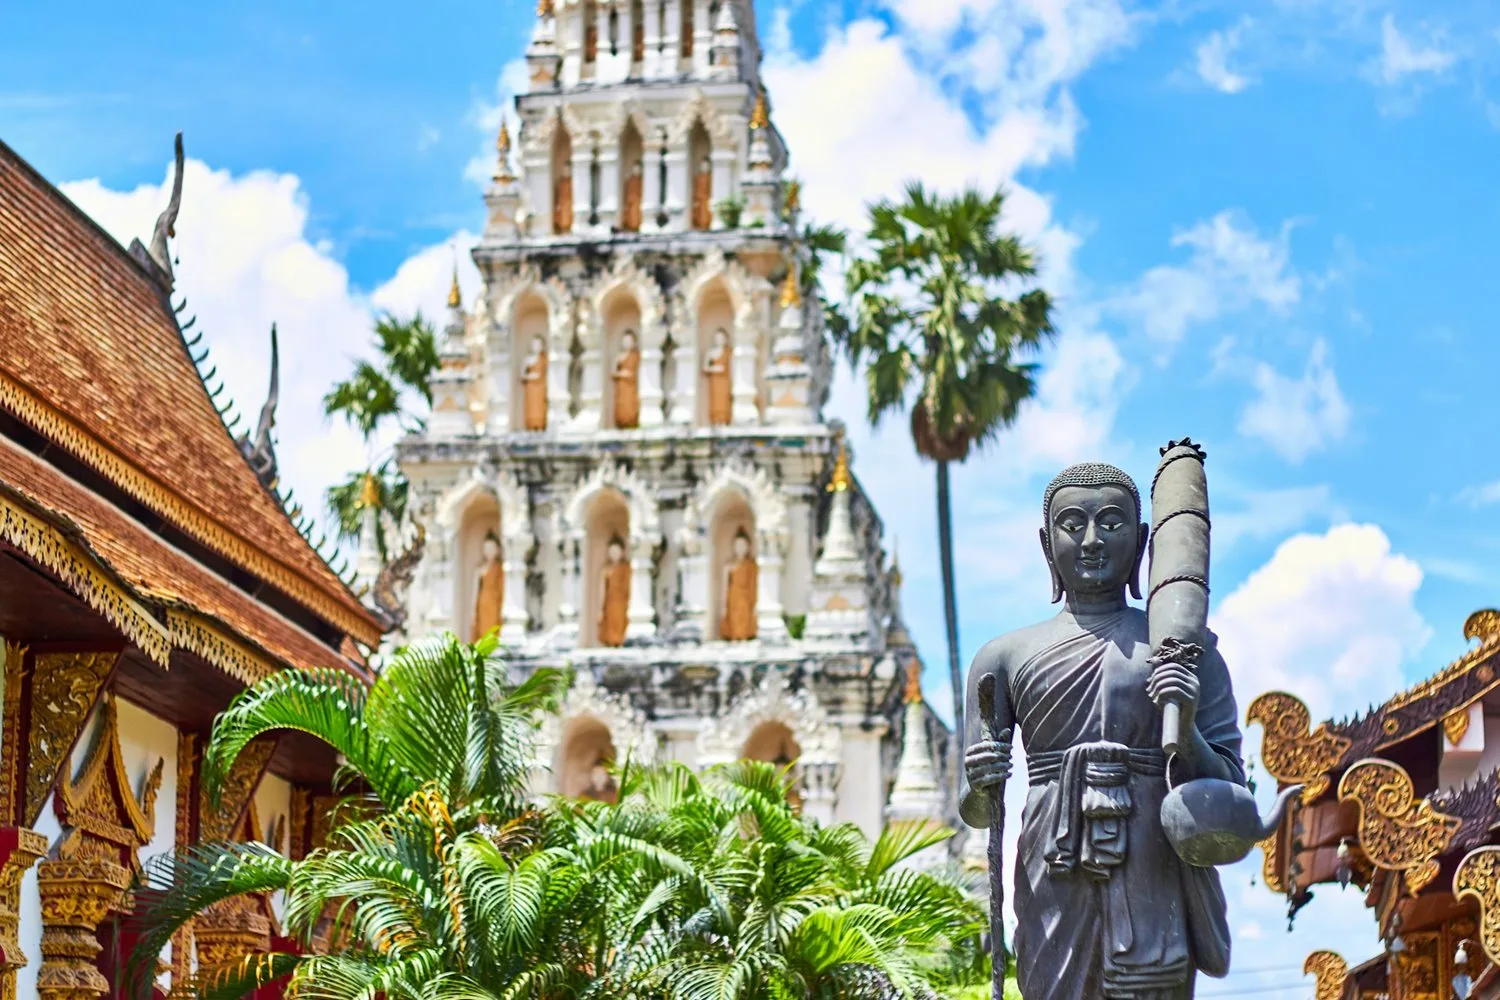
(218, 822)
(1293, 752)
(1331, 970)
(1396, 831)
(1478, 878)
(64, 687)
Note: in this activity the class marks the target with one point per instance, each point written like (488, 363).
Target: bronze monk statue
(1105, 906)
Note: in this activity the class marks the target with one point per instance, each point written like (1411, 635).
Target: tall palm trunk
(950, 598)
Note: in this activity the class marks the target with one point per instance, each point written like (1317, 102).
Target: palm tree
(425, 877)
(931, 313)
(372, 398)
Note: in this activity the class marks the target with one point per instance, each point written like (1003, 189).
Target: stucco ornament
(629, 732)
(721, 741)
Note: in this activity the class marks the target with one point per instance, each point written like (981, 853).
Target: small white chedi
(643, 212)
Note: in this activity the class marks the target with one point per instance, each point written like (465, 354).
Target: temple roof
(93, 360)
(158, 597)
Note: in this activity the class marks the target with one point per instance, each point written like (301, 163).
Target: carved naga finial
(166, 223)
(259, 451)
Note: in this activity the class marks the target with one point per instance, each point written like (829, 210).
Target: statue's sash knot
(1089, 831)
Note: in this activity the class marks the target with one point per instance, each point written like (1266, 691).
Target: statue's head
(616, 549)
(741, 544)
(705, 165)
(1092, 532)
(538, 345)
(627, 341)
(490, 547)
(567, 169)
(635, 169)
(721, 337)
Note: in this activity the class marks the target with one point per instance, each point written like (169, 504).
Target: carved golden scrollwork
(1482, 625)
(1331, 970)
(1270, 865)
(20, 849)
(187, 769)
(1397, 831)
(103, 820)
(64, 687)
(1419, 968)
(76, 896)
(230, 930)
(1478, 878)
(11, 734)
(1456, 726)
(1293, 752)
(218, 822)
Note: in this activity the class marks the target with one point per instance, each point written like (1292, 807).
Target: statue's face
(720, 338)
(491, 550)
(741, 546)
(1095, 533)
(628, 341)
(537, 345)
(616, 552)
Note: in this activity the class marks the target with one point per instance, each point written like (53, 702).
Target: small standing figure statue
(534, 386)
(562, 200)
(1105, 906)
(614, 595)
(602, 786)
(716, 371)
(741, 584)
(638, 33)
(626, 378)
(703, 195)
(489, 590)
(635, 187)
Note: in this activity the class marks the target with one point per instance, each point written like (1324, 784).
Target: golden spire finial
(545, 8)
(895, 574)
(455, 297)
(841, 479)
(761, 117)
(791, 291)
(913, 683)
(791, 197)
(502, 141)
(369, 492)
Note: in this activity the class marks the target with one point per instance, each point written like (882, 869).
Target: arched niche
(607, 517)
(530, 319)
(563, 181)
(772, 742)
(700, 165)
(479, 518)
(729, 515)
(715, 313)
(632, 166)
(621, 314)
(582, 757)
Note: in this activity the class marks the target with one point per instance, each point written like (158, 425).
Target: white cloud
(1329, 617)
(1482, 495)
(1401, 57)
(1212, 60)
(245, 261)
(1297, 416)
(1230, 267)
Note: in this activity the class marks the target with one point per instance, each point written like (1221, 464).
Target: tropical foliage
(443, 879)
(376, 396)
(936, 320)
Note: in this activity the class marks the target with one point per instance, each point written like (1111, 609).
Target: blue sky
(1267, 225)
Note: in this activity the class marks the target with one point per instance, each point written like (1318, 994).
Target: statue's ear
(1140, 557)
(1057, 585)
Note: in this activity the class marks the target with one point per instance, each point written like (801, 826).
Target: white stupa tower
(633, 414)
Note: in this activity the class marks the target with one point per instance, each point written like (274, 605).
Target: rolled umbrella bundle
(1177, 604)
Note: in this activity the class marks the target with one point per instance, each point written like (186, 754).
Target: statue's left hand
(1175, 682)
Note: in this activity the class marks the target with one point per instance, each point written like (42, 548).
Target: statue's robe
(630, 215)
(616, 612)
(703, 196)
(720, 391)
(489, 603)
(534, 394)
(628, 391)
(740, 586)
(1104, 906)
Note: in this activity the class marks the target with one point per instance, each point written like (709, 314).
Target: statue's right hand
(987, 763)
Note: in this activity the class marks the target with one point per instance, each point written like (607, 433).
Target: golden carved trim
(1478, 878)
(64, 688)
(187, 769)
(1331, 970)
(1292, 752)
(239, 661)
(1418, 971)
(1481, 625)
(301, 823)
(219, 823)
(1456, 726)
(28, 847)
(10, 735)
(1270, 864)
(105, 821)
(76, 896)
(85, 576)
(1397, 832)
(59, 428)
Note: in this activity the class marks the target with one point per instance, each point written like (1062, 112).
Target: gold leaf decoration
(1331, 970)
(1293, 752)
(1397, 831)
